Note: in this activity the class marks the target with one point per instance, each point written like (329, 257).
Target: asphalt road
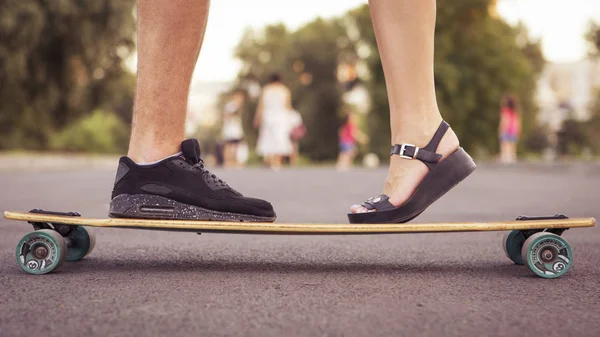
(149, 283)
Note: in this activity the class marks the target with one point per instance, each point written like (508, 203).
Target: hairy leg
(170, 35)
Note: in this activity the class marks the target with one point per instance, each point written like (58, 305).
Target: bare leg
(346, 160)
(340, 161)
(503, 152)
(170, 35)
(277, 161)
(405, 31)
(234, 155)
(513, 152)
(227, 155)
(267, 161)
(351, 156)
(294, 155)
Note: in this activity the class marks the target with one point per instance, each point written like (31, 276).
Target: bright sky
(229, 18)
(560, 23)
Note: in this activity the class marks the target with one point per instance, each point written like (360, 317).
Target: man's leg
(155, 180)
(170, 35)
(405, 36)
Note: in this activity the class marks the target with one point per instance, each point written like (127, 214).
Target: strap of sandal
(379, 203)
(426, 154)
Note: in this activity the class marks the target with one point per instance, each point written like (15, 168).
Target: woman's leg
(405, 36)
(277, 161)
(295, 153)
(226, 154)
(340, 160)
(234, 154)
(513, 152)
(351, 156)
(503, 151)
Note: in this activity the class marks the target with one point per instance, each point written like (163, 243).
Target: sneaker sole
(148, 206)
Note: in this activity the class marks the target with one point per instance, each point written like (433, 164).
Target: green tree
(60, 60)
(98, 132)
(592, 37)
(571, 138)
(593, 124)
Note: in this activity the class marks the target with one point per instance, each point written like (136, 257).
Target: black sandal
(442, 177)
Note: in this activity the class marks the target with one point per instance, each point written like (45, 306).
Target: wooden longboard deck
(301, 228)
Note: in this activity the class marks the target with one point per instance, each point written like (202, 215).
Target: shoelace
(200, 166)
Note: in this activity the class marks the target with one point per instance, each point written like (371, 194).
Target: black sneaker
(180, 187)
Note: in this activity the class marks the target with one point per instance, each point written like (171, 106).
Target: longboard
(535, 241)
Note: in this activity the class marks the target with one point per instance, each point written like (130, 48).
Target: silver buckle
(403, 148)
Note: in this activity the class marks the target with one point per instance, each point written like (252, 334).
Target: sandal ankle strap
(410, 151)
(426, 154)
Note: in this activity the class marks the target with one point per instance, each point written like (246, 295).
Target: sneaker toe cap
(259, 207)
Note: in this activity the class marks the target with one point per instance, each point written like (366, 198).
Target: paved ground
(145, 283)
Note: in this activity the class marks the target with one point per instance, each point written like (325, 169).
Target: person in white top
(274, 120)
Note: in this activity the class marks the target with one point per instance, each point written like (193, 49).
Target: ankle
(448, 144)
(419, 133)
(151, 152)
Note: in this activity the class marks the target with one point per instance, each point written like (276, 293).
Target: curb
(54, 162)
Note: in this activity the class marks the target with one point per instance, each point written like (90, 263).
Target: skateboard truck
(547, 217)
(41, 211)
(62, 229)
(557, 231)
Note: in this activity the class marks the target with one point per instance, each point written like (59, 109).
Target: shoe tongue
(191, 150)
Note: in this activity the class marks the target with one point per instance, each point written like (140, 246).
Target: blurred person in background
(509, 129)
(298, 131)
(233, 131)
(349, 136)
(272, 118)
(164, 170)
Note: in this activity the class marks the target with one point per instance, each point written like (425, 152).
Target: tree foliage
(593, 124)
(575, 135)
(60, 60)
(98, 132)
(593, 39)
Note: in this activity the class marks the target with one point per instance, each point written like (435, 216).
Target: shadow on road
(127, 266)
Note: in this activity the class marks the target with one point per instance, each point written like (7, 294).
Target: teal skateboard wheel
(513, 243)
(41, 251)
(547, 255)
(81, 241)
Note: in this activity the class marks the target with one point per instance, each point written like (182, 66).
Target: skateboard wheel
(92, 240)
(512, 243)
(41, 251)
(81, 242)
(547, 255)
